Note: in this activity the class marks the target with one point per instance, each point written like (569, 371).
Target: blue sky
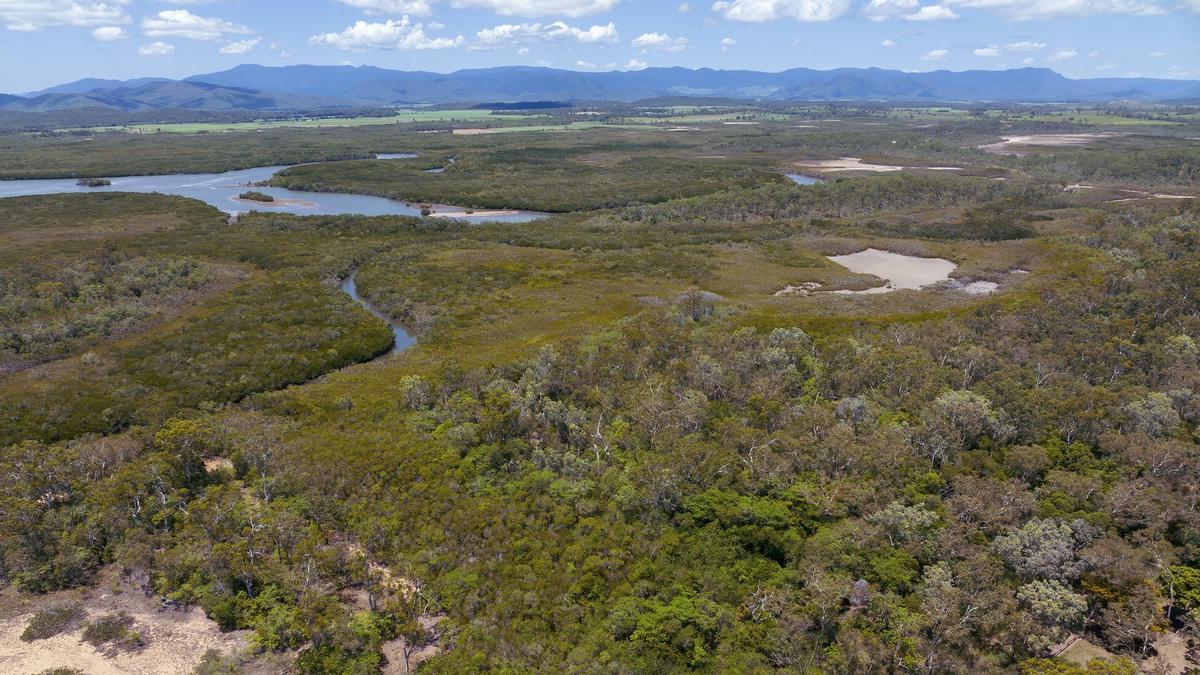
(54, 41)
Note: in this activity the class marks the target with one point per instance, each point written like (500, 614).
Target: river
(222, 189)
(402, 338)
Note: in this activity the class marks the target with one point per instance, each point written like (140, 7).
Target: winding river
(402, 339)
(222, 189)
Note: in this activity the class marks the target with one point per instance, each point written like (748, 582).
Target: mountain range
(254, 87)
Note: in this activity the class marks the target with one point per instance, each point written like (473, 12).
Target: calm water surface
(222, 189)
(801, 179)
(403, 339)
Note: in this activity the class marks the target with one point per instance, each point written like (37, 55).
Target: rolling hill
(254, 87)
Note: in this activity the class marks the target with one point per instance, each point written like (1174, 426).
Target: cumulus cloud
(109, 34)
(987, 52)
(1062, 55)
(755, 11)
(1046, 9)
(181, 23)
(156, 49)
(398, 7)
(1025, 46)
(240, 47)
(684, 8)
(402, 34)
(281, 50)
(932, 13)
(888, 43)
(726, 43)
(510, 34)
(660, 41)
(634, 64)
(531, 8)
(936, 54)
(909, 10)
(32, 15)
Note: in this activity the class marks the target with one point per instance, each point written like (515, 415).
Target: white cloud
(909, 10)
(634, 64)
(240, 47)
(181, 23)
(660, 41)
(684, 8)
(31, 15)
(1062, 55)
(888, 43)
(1044, 9)
(1027, 61)
(398, 7)
(755, 11)
(402, 34)
(1025, 46)
(932, 13)
(509, 34)
(523, 51)
(109, 34)
(1158, 54)
(726, 43)
(936, 54)
(585, 64)
(987, 52)
(156, 49)
(569, 8)
(281, 50)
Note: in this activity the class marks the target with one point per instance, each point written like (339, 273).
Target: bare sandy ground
(899, 271)
(1142, 194)
(474, 132)
(1005, 147)
(856, 164)
(175, 640)
(474, 214)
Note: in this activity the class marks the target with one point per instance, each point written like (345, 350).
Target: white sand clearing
(900, 271)
(856, 164)
(175, 641)
(474, 214)
(1005, 147)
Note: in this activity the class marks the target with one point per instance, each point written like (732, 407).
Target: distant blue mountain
(261, 87)
(367, 84)
(91, 84)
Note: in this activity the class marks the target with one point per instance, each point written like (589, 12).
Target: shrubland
(613, 447)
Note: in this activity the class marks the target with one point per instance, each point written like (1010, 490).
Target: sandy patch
(1080, 650)
(898, 271)
(802, 289)
(856, 164)
(1142, 194)
(1005, 147)
(175, 640)
(474, 214)
(739, 123)
(474, 132)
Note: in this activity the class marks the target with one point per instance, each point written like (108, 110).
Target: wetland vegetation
(615, 446)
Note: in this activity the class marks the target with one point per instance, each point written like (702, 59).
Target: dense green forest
(617, 445)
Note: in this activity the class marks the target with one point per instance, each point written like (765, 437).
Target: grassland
(404, 117)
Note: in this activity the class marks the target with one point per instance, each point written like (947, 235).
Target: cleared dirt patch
(174, 640)
(1006, 146)
(857, 164)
